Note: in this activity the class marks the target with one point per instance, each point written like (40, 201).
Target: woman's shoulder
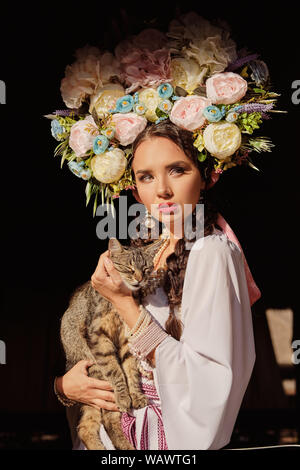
(216, 243)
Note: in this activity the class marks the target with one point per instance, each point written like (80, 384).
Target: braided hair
(177, 261)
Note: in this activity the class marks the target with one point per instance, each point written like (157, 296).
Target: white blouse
(201, 379)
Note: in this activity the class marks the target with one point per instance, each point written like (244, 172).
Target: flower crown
(191, 75)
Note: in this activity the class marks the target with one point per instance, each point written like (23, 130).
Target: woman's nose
(163, 189)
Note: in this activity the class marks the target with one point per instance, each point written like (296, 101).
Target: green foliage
(248, 122)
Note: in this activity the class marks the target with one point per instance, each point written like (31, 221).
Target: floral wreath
(191, 75)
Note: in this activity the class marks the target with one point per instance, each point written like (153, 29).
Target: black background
(49, 243)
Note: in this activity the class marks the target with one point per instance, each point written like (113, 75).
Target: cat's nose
(138, 276)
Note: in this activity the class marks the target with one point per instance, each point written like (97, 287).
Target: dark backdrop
(49, 243)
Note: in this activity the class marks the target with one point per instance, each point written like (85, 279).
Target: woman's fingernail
(107, 261)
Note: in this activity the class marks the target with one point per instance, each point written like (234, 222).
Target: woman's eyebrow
(167, 166)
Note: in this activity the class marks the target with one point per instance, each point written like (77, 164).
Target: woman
(200, 356)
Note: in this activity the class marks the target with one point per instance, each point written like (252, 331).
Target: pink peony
(150, 39)
(128, 126)
(226, 88)
(144, 60)
(188, 112)
(82, 135)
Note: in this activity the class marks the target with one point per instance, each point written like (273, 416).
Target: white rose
(186, 73)
(222, 139)
(109, 167)
(150, 98)
(105, 98)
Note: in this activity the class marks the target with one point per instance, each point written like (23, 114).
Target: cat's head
(135, 264)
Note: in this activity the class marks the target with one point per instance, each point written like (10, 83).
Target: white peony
(105, 98)
(222, 139)
(186, 73)
(150, 98)
(210, 46)
(109, 167)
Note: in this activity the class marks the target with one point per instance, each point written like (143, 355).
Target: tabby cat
(91, 329)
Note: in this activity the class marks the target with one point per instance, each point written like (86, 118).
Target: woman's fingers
(106, 405)
(101, 384)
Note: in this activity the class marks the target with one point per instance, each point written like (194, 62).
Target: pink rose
(226, 88)
(128, 126)
(82, 135)
(188, 112)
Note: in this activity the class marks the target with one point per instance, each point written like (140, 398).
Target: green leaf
(88, 192)
(179, 91)
(259, 90)
(252, 166)
(159, 113)
(95, 204)
(202, 157)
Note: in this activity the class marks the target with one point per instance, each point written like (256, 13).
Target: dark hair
(177, 261)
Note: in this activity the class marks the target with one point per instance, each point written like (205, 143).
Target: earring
(149, 221)
(202, 196)
(165, 232)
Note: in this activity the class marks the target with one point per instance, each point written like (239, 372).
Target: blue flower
(237, 108)
(100, 144)
(136, 97)
(57, 129)
(76, 167)
(213, 113)
(140, 108)
(85, 174)
(232, 116)
(162, 118)
(165, 90)
(124, 104)
(109, 132)
(165, 106)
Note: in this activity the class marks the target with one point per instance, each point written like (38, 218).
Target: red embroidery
(129, 422)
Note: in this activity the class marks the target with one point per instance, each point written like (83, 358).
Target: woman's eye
(178, 169)
(143, 177)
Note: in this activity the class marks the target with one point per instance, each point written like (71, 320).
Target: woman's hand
(108, 282)
(77, 385)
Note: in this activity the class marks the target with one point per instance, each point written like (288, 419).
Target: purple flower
(240, 62)
(65, 112)
(254, 108)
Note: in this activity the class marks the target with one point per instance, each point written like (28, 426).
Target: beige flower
(186, 73)
(105, 98)
(150, 98)
(195, 37)
(109, 167)
(222, 139)
(91, 70)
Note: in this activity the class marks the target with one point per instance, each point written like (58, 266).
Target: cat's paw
(95, 371)
(139, 400)
(123, 401)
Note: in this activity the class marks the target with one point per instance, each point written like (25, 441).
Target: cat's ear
(114, 246)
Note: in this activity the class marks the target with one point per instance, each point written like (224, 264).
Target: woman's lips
(168, 208)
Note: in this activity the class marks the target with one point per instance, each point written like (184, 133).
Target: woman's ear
(136, 195)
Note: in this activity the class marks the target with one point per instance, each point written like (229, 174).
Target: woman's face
(164, 174)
